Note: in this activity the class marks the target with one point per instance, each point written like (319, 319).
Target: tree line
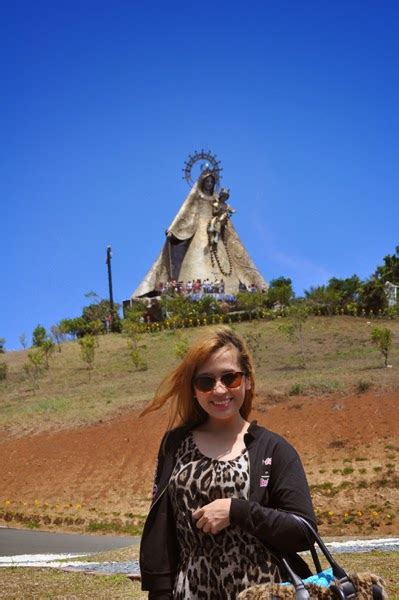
(349, 295)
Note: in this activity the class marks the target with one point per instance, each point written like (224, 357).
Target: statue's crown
(206, 168)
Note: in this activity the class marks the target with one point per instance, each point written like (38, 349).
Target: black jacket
(278, 487)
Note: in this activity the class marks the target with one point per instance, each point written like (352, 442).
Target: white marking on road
(364, 545)
(38, 560)
(54, 560)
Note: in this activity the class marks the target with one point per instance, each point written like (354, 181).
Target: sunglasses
(232, 380)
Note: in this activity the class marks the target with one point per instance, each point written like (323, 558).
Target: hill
(76, 454)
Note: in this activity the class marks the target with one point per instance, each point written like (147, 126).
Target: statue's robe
(186, 254)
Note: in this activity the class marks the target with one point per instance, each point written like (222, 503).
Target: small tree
(138, 360)
(2, 344)
(76, 327)
(95, 327)
(382, 338)
(134, 313)
(207, 306)
(58, 335)
(3, 370)
(41, 340)
(39, 336)
(35, 366)
(294, 329)
(131, 330)
(22, 340)
(88, 351)
(178, 306)
(48, 348)
(181, 346)
(280, 292)
(372, 296)
(322, 299)
(249, 302)
(99, 311)
(255, 343)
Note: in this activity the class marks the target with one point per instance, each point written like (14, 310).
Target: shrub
(178, 306)
(363, 386)
(132, 330)
(76, 327)
(35, 366)
(294, 329)
(382, 338)
(392, 311)
(39, 336)
(48, 348)
(2, 344)
(95, 327)
(3, 370)
(181, 347)
(347, 471)
(88, 351)
(250, 301)
(207, 306)
(337, 444)
(58, 335)
(138, 360)
(296, 390)
(280, 292)
(98, 312)
(253, 340)
(135, 313)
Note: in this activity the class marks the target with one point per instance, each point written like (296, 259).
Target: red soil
(109, 465)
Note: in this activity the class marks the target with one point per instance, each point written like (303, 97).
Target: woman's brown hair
(177, 387)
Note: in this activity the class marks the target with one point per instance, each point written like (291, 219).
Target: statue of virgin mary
(192, 251)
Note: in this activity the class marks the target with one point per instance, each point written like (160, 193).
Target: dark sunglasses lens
(229, 380)
(232, 380)
(204, 384)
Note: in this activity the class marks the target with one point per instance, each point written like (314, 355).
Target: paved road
(42, 549)
(15, 542)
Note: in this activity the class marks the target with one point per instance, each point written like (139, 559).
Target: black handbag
(340, 585)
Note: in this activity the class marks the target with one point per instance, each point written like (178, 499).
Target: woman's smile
(222, 403)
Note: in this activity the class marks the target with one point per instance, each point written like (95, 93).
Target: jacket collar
(254, 433)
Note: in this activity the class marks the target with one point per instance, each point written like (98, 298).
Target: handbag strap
(313, 537)
(343, 588)
(301, 593)
(315, 556)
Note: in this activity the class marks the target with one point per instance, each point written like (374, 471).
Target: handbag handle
(313, 537)
(301, 593)
(342, 588)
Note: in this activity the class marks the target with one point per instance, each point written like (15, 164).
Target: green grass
(339, 359)
(48, 584)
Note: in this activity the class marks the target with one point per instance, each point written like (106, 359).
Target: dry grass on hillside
(339, 359)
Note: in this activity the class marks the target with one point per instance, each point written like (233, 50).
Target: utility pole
(111, 296)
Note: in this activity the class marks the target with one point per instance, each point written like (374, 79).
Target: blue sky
(102, 102)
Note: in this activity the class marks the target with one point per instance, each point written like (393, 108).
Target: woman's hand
(213, 517)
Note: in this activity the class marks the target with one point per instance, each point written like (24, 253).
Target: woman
(224, 487)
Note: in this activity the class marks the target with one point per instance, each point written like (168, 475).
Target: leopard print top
(214, 567)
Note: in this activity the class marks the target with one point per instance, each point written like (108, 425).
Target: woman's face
(222, 402)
